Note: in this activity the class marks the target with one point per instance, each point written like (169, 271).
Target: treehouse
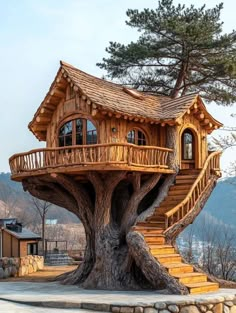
(134, 167)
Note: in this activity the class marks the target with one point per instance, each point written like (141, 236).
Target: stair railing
(210, 168)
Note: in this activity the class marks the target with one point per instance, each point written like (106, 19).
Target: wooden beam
(43, 119)
(50, 106)
(45, 110)
(179, 121)
(57, 93)
(206, 121)
(200, 115)
(94, 112)
(37, 128)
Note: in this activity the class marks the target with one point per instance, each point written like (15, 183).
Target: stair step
(179, 177)
(161, 249)
(189, 278)
(168, 258)
(185, 181)
(177, 192)
(178, 268)
(175, 197)
(156, 224)
(189, 172)
(202, 287)
(181, 187)
(147, 229)
(170, 203)
(158, 221)
(154, 239)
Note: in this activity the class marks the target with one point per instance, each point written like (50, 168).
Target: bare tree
(9, 201)
(42, 208)
(214, 245)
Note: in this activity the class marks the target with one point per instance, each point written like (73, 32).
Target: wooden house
(92, 126)
(17, 241)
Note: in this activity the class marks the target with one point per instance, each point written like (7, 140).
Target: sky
(36, 35)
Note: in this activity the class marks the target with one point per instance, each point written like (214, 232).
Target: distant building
(51, 221)
(15, 240)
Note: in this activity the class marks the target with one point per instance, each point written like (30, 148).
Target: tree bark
(172, 138)
(112, 257)
(152, 269)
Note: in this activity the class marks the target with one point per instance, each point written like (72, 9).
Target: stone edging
(220, 304)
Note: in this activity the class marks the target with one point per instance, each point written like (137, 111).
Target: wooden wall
(10, 245)
(13, 247)
(23, 246)
(76, 106)
(200, 134)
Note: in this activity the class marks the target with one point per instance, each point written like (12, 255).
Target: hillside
(220, 207)
(15, 202)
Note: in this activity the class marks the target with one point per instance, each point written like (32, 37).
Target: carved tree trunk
(107, 216)
(172, 138)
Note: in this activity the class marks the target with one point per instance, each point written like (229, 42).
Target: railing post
(130, 150)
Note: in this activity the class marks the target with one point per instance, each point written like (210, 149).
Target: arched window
(77, 132)
(136, 137)
(187, 145)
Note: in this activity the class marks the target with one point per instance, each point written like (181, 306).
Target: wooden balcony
(98, 157)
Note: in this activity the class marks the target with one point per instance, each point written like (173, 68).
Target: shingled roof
(115, 98)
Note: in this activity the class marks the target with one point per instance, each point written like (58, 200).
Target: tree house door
(188, 149)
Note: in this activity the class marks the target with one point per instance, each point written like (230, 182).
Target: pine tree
(180, 50)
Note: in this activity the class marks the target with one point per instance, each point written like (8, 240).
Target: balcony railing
(98, 154)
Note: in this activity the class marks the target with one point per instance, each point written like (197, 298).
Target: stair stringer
(173, 231)
(152, 269)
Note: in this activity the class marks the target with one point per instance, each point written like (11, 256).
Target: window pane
(61, 141)
(131, 137)
(68, 140)
(91, 136)
(68, 128)
(141, 139)
(62, 131)
(79, 139)
(188, 146)
(136, 137)
(79, 125)
(90, 126)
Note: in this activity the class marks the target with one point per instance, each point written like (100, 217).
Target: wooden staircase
(153, 228)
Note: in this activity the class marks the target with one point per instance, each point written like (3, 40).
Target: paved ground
(54, 294)
(8, 307)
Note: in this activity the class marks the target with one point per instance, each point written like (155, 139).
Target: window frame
(74, 132)
(188, 131)
(136, 138)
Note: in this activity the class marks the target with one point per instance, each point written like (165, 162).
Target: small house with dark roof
(17, 241)
(141, 147)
